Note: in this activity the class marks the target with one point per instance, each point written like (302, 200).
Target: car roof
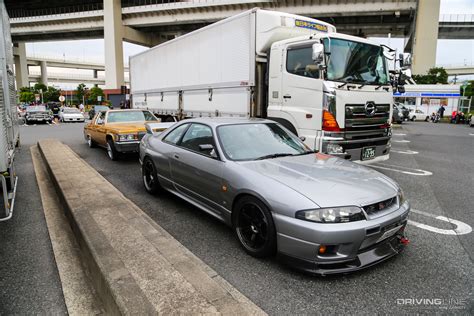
(218, 121)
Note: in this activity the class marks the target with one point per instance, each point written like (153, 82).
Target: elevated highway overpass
(150, 22)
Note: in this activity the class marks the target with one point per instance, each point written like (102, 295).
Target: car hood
(73, 115)
(327, 180)
(127, 127)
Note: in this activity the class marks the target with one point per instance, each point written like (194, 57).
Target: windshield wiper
(342, 85)
(274, 156)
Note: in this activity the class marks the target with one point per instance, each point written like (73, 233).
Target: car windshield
(355, 62)
(71, 110)
(36, 108)
(259, 141)
(99, 108)
(130, 116)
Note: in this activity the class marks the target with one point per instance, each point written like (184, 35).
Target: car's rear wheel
(111, 151)
(254, 227)
(90, 142)
(150, 176)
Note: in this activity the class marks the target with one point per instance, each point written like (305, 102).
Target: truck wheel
(111, 151)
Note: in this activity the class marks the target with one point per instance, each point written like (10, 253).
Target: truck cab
(334, 90)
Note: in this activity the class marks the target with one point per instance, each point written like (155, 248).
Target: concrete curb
(136, 267)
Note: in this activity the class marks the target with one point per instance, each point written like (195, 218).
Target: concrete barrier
(135, 266)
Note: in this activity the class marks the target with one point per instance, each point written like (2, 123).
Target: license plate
(368, 153)
(389, 233)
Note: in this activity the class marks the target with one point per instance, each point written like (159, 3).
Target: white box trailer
(211, 71)
(9, 127)
(332, 90)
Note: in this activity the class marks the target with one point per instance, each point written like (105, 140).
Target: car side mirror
(208, 148)
(318, 54)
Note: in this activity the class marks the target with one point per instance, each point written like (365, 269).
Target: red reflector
(404, 241)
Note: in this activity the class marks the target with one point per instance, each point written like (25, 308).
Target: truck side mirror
(401, 89)
(318, 53)
(405, 60)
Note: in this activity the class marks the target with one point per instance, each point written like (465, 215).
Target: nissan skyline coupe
(318, 213)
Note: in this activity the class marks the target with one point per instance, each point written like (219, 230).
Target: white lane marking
(400, 141)
(410, 171)
(407, 152)
(399, 134)
(461, 227)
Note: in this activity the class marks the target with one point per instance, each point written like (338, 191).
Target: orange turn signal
(322, 249)
(329, 122)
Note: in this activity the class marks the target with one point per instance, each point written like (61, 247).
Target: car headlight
(342, 214)
(401, 197)
(127, 137)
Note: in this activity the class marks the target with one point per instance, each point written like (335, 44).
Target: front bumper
(353, 246)
(73, 119)
(127, 147)
(352, 149)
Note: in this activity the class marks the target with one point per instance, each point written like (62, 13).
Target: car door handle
(176, 156)
(287, 96)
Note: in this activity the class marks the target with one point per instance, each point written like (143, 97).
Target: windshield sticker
(311, 25)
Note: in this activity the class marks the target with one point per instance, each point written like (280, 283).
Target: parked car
(404, 110)
(397, 115)
(418, 115)
(471, 121)
(68, 114)
(38, 113)
(119, 131)
(95, 109)
(277, 194)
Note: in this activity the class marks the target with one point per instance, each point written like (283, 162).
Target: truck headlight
(342, 214)
(127, 137)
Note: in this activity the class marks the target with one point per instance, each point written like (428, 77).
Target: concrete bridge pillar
(44, 72)
(426, 36)
(113, 29)
(95, 74)
(21, 65)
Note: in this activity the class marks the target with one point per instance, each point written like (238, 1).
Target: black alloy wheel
(254, 227)
(150, 176)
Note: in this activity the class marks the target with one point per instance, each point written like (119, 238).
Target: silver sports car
(320, 213)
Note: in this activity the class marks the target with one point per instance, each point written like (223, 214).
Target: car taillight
(329, 122)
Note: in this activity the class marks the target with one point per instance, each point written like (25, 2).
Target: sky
(449, 52)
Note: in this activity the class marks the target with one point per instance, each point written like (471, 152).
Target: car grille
(380, 206)
(357, 119)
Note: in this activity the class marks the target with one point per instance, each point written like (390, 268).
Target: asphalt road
(434, 274)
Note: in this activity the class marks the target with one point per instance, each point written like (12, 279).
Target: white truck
(9, 127)
(332, 90)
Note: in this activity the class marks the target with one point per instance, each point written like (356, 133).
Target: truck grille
(380, 206)
(359, 119)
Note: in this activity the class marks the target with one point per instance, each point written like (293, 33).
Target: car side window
(196, 135)
(175, 135)
(299, 62)
(100, 118)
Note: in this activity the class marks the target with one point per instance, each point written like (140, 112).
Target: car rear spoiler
(157, 128)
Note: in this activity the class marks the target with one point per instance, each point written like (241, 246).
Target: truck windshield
(355, 62)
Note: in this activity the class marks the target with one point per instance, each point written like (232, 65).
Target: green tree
(435, 75)
(40, 86)
(94, 93)
(26, 89)
(51, 94)
(27, 96)
(81, 92)
(468, 89)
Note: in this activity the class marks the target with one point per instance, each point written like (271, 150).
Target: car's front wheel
(111, 151)
(254, 227)
(90, 142)
(150, 176)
